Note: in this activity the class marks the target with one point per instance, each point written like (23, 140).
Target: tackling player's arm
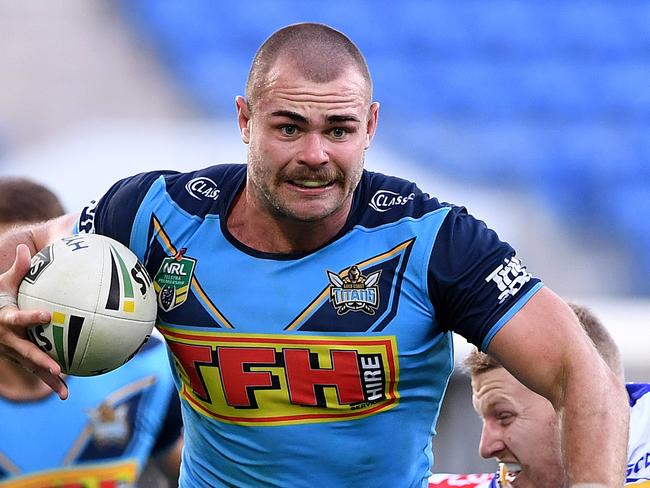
(545, 348)
(16, 249)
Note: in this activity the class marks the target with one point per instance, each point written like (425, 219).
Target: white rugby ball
(102, 303)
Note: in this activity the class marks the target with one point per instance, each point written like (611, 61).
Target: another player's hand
(14, 344)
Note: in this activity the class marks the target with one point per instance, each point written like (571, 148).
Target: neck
(18, 384)
(259, 230)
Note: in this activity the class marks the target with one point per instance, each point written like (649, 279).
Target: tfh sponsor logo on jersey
(509, 277)
(353, 292)
(278, 379)
(384, 200)
(202, 188)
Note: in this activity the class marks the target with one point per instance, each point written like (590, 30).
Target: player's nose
(313, 151)
(491, 440)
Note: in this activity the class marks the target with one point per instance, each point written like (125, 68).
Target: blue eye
(339, 132)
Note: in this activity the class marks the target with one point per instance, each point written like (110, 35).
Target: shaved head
(320, 53)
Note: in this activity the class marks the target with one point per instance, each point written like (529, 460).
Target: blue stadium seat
(554, 94)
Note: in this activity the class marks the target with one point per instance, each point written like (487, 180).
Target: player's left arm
(544, 346)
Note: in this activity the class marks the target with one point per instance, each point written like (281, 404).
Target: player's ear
(243, 118)
(373, 118)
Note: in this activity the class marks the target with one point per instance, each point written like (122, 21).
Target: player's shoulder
(207, 190)
(383, 199)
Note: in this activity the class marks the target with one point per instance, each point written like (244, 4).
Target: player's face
(520, 428)
(306, 143)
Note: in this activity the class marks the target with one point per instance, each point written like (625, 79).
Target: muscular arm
(16, 249)
(34, 236)
(545, 348)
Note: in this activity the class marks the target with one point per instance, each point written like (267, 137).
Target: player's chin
(521, 480)
(313, 208)
(309, 214)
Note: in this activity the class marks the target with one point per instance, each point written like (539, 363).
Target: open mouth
(311, 184)
(508, 473)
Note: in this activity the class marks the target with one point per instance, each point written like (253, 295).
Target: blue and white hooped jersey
(638, 452)
(328, 365)
(101, 436)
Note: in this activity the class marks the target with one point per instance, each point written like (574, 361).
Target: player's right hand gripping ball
(101, 299)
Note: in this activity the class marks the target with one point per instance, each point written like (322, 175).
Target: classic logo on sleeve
(509, 277)
(268, 379)
(202, 187)
(384, 200)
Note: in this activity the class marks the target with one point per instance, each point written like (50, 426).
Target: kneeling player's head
(520, 427)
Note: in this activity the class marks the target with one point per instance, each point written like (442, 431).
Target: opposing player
(111, 426)
(309, 304)
(522, 430)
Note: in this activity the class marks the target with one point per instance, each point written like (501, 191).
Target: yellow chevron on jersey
(273, 379)
(123, 473)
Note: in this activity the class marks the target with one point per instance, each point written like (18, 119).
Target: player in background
(112, 424)
(309, 304)
(522, 431)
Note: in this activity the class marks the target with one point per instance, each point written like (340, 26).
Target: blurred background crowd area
(535, 115)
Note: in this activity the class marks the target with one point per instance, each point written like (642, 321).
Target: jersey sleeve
(114, 214)
(476, 283)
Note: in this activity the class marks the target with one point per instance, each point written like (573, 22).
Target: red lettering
(302, 379)
(189, 356)
(238, 380)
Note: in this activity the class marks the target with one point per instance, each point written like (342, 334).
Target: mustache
(320, 174)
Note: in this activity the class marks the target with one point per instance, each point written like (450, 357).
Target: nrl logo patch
(354, 292)
(172, 281)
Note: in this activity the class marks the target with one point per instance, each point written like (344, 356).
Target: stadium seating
(553, 95)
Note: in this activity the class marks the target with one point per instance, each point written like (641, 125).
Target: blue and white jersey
(102, 435)
(638, 453)
(328, 365)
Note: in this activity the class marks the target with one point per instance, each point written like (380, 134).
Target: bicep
(542, 343)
